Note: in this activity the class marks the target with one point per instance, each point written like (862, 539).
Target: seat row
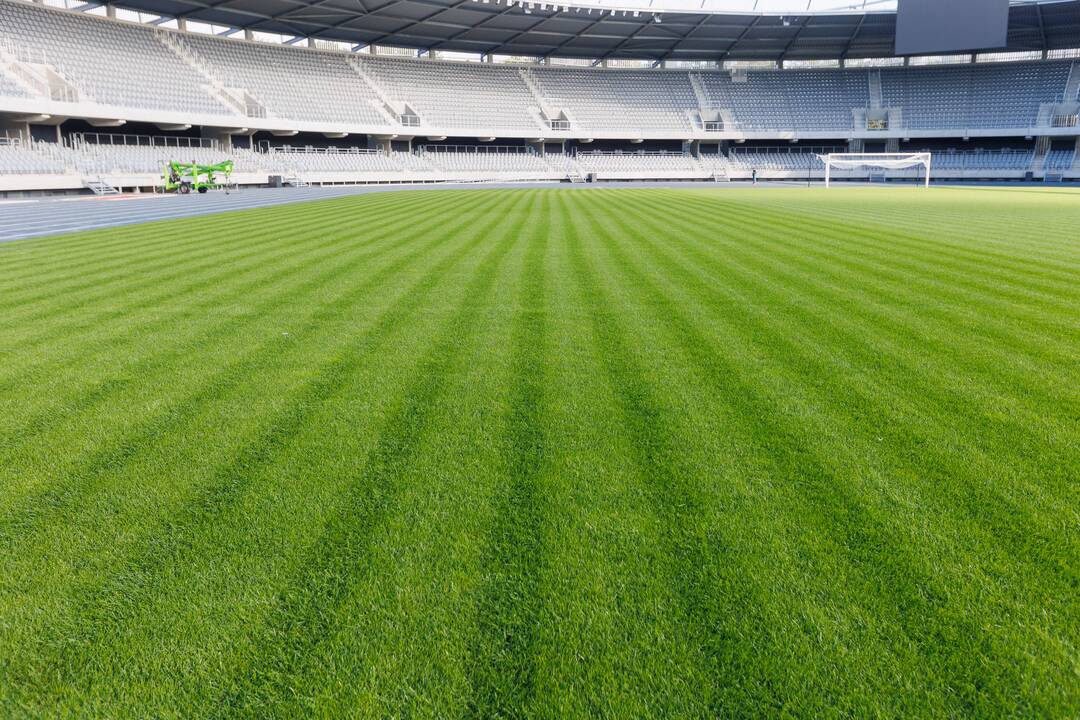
(88, 159)
(132, 65)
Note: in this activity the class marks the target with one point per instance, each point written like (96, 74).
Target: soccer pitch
(548, 453)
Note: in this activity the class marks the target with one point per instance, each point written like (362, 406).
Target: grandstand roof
(598, 29)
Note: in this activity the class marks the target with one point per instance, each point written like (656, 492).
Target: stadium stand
(108, 62)
(792, 100)
(641, 165)
(1005, 95)
(293, 84)
(128, 65)
(141, 165)
(325, 161)
(119, 159)
(982, 160)
(10, 88)
(775, 160)
(635, 101)
(1060, 160)
(19, 158)
(71, 64)
(457, 96)
(489, 163)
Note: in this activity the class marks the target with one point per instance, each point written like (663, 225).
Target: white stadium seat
(229, 83)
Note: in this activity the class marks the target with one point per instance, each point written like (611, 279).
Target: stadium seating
(18, 158)
(789, 101)
(334, 161)
(95, 159)
(137, 66)
(716, 164)
(1002, 95)
(10, 88)
(639, 101)
(112, 63)
(1060, 160)
(981, 160)
(238, 83)
(291, 83)
(358, 165)
(455, 95)
(493, 163)
(776, 160)
(640, 165)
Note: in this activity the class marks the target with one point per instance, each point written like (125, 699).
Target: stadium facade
(322, 92)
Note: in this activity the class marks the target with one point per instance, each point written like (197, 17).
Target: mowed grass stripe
(950, 253)
(193, 276)
(677, 503)
(902, 299)
(212, 383)
(966, 632)
(417, 543)
(811, 313)
(965, 217)
(101, 243)
(272, 289)
(194, 530)
(902, 291)
(721, 625)
(948, 399)
(1036, 225)
(666, 315)
(944, 376)
(105, 378)
(731, 572)
(502, 657)
(906, 252)
(231, 479)
(603, 639)
(304, 621)
(111, 246)
(151, 268)
(298, 244)
(554, 453)
(935, 273)
(191, 419)
(133, 276)
(111, 458)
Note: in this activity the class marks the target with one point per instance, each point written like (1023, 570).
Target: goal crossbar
(886, 161)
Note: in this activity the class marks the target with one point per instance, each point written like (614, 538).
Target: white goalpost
(886, 161)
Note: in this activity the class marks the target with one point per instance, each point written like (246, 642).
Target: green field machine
(184, 178)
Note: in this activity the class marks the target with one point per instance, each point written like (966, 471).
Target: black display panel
(934, 27)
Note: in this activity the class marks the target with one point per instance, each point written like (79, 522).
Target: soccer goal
(885, 161)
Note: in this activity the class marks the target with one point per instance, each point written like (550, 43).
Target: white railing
(801, 150)
(310, 150)
(479, 149)
(630, 153)
(119, 139)
(21, 52)
(76, 84)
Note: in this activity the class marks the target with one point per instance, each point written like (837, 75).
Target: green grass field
(548, 453)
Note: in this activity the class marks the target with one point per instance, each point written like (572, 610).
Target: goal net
(881, 161)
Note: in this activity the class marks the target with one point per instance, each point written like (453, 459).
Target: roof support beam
(1042, 25)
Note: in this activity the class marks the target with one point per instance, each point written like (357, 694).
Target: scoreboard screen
(935, 27)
